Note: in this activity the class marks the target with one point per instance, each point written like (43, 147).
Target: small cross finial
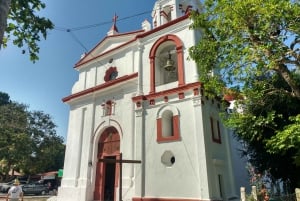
(113, 30)
(115, 18)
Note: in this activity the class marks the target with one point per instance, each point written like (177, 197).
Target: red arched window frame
(179, 51)
(175, 135)
(110, 74)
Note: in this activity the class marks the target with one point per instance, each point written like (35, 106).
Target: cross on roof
(113, 30)
(115, 18)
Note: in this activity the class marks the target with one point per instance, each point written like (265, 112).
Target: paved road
(28, 197)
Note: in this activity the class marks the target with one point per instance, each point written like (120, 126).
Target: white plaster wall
(109, 46)
(219, 154)
(124, 63)
(69, 185)
(182, 179)
(146, 68)
(239, 166)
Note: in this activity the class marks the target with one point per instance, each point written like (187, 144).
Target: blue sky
(43, 84)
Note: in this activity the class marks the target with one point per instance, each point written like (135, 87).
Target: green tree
(28, 140)
(21, 22)
(264, 117)
(251, 48)
(4, 98)
(246, 39)
(47, 147)
(14, 139)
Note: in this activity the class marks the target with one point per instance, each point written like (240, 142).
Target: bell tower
(165, 11)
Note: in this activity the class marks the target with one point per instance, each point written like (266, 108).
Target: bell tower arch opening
(163, 74)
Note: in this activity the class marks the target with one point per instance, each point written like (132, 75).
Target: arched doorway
(107, 173)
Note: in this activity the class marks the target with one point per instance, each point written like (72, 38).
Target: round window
(168, 158)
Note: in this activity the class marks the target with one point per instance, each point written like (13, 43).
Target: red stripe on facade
(177, 90)
(100, 87)
(138, 36)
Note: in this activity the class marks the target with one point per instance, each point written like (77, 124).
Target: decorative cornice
(164, 93)
(100, 87)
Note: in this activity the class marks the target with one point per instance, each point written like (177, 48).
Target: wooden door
(107, 173)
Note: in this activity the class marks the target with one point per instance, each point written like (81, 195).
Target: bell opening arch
(171, 41)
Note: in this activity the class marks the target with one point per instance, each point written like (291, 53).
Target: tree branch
(4, 10)
(286, 75)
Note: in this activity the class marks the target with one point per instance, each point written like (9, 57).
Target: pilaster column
(199, 116)
(140, 69)
(140, 151)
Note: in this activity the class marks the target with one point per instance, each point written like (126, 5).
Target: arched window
(168, 124)
(166, 62)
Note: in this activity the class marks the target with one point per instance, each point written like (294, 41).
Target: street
(28, 197)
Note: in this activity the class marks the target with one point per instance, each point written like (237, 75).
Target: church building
(140, 125)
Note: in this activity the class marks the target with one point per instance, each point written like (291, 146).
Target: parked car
(35, 188)
(52, 184)
(6, 186)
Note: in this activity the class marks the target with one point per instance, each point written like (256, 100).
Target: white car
(6, 186)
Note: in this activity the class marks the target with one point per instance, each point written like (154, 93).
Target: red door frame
(108, 145)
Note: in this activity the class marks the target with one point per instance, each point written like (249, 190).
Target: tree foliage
(263, 124)
(24, 26)
(4, 98)
(287, 139)
(252, 48)
(45, 144)
(28, 140)
(246, 39)
(13, 137)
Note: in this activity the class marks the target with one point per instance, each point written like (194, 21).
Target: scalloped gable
(107, 44)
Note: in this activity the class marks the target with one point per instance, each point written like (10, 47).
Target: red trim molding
(175, 135)
(159, 129)
(100, 87)
(178, 90)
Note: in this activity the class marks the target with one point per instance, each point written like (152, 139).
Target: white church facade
(140, 125)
